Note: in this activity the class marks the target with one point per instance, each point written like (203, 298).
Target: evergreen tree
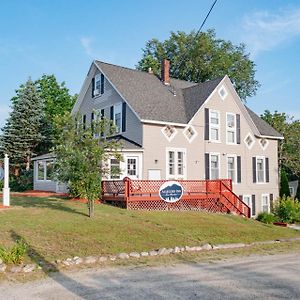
(298, 191)
(21, 134)
(284, 185)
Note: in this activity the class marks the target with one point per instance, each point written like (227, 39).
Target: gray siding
(105, 101)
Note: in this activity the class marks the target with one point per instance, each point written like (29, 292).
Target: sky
(63, 37)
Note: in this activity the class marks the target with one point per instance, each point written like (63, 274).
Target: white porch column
(6, 189)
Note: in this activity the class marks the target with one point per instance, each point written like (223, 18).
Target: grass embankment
(57, 228)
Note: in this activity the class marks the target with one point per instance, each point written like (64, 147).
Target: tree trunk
(28, 163)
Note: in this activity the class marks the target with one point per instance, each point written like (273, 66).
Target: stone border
(91, 260)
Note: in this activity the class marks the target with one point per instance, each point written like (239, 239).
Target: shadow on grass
(52, 203)
(54, 273)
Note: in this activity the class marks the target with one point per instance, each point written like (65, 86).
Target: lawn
(57, 228)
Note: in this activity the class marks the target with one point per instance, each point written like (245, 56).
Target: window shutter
(92, 121)
(253, 209)
(267, 170)
(271, 202)
(239, 169)
(207, 166)
(112, 113)
(84, 121)
(102, 84)
(93, 87)
(102, 117)
(238, 129)
(206, 128)
(123, 116)
(241, 197)
(254, 169)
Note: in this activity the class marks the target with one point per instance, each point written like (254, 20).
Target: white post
(6, 189)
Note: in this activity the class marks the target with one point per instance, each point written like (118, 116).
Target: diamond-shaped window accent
(190, 133)
(249, 141)
(169, 132)
(222, 92)
(264, 143)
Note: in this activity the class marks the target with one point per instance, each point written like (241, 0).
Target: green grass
(56, 228)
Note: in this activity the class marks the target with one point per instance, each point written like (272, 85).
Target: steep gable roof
(178, 102)
(263, 127)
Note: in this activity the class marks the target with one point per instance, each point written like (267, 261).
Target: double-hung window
(118, 117)
(260, 169)
(230, 128)
(176, 162)
(231, 168)
(45, 170)
(265, 203)
(99, 85)
(214, 166)
(114, 168)
(214, 125)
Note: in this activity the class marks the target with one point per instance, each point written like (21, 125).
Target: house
(293, 185)
(174, 129)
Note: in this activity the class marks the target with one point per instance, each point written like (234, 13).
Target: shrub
(284, 185)
(287, 210)
(22, 183)
(15, 254)
(265, 217)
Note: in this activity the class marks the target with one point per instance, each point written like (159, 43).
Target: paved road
(256, 277)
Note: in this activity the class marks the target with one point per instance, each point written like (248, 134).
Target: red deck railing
(211, 195)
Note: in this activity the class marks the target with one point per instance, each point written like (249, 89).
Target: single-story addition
(293, 185)
(184, 130)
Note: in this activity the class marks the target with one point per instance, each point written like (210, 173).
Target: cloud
(86, 44)
(264, 31)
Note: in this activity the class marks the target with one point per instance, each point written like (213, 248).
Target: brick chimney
(165, 72)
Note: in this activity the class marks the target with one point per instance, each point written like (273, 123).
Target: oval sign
(171, 191)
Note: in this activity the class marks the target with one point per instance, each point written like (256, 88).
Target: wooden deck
(210, 195)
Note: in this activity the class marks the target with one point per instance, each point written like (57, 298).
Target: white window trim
(215, 126)
(219, 92)
(185, 133)
(176, 176)
(266, 145)
(137, 175)
(119, 107)
(264, 168)
(250, 203)
(45, 170)
(249, 147)
(219, 164)
(268, 196)
(97, 92)
(169, 138)
(235, 166)
(231, 129)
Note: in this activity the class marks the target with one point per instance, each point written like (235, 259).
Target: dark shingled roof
(152, 100)
(126, 143)
(263, 127)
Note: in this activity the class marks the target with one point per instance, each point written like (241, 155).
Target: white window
(190, 133)
(97, 85)
(214, 125)
(132, 166)
(176, 163)
(265, 203)
(231, 128)
(45, 170)
(248, 200)
(114, 168)
(118, 117)
(260, 169)
(292, 191)
(231, 168)
(264, 143)
(222, 92)
(169, 132)
(249, 141)
(214, 166)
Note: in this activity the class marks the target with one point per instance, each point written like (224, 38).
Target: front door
(132, 167)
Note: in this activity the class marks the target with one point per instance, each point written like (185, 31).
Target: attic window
(99, 85)
(169, 132)
(249, 141)
(222, 92)
(264, 143)
(190, 133)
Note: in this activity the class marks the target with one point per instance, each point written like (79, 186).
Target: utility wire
(197, 34)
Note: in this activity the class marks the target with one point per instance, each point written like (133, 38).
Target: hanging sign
(171, 191)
